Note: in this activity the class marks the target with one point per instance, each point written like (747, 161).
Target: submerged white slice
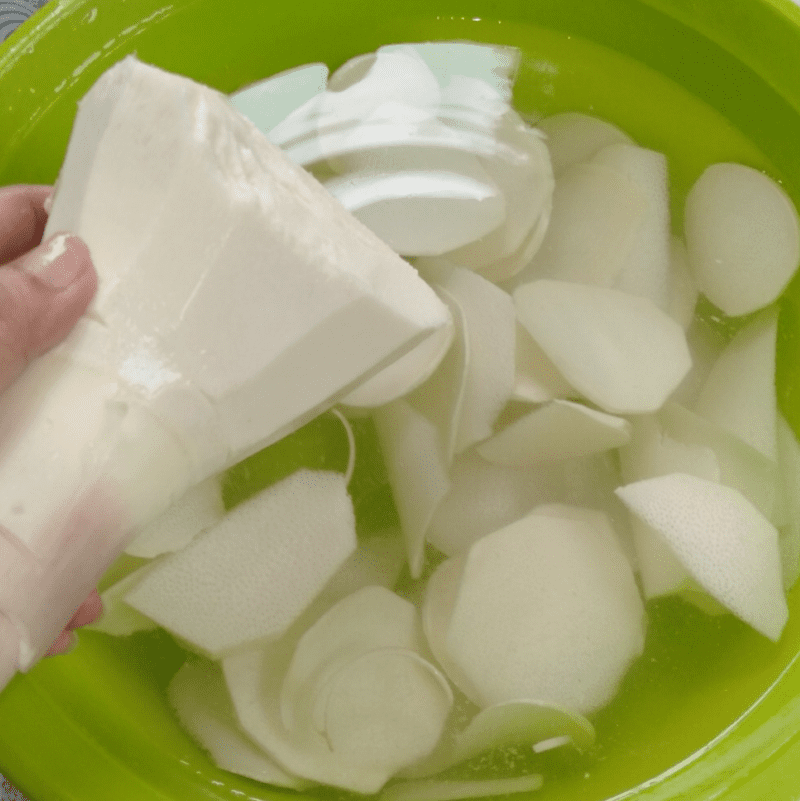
(547, 608)
(201, 701)
(645, 267)
(268, 102)
(253, 573)
(537, 379)
(620, 351)
(724, 542)
(388, 705)
(597, 211)
(369, 619)
(743, 237)
(573, 137)
(514, 723)
(418, 212)
(527, 187)
(558, 430)
(417, 468)
(739, 392)
(683, 288)
(197, 509)
(740, 465)
(119, 618)
(490, 325)
(485, 497)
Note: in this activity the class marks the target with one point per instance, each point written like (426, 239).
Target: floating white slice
(387, 706)
(253, 573)
(537, 378)
(573, 137)
(742, 236)
(547, 608)
(705, 345)
(514, 723)
(268, 102)
(403, 375)
(452, 790)
(740, 465)
(558, 430)
(197, 509)
(596, 213)
(739, 392)
(119, 618)
(254, 677)
(646, 266)
(417, 469)
(495, 64)
(419, 212)
(527, 187)
(441, 397)
(485, 497)
(619, 350)
(724, 542)
(371, 618)
(201, 701)
(490, 325)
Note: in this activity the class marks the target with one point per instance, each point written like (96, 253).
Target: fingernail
(50, 263)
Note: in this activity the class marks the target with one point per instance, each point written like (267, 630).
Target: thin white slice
(789, 462)
(441, 397)
(596, 213)
(268, 102)
(724, 542)
(742, 236)
(547, 608)
(705, 345)
(253, 573)
(527, 187)
(452, 790)
(197, 509)
(371, 618)
(491, 331)
(405, 374)
(573, 137)
(254, 677)
(419, 212)
(652, 452)
(558, 430)
(441, 592)
(646, 266)
(387, 706)
(118, 617)
(619, 350)
(740, 465)
(485, 497)
(417, 469)
(537, 378)
(739, 392)
(201, 701)
(495, 64)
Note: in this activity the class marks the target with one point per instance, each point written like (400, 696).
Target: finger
(22, 219)
(88, 611)
(65, 642)
(42, 295)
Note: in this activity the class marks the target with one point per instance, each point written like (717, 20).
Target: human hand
(44, 289)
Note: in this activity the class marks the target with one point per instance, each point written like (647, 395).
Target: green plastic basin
(713, 709)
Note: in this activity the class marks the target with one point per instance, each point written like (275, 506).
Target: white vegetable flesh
(156, 391)
(743, 237)
(251, 575)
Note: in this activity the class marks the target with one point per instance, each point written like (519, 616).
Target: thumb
(42, 295)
